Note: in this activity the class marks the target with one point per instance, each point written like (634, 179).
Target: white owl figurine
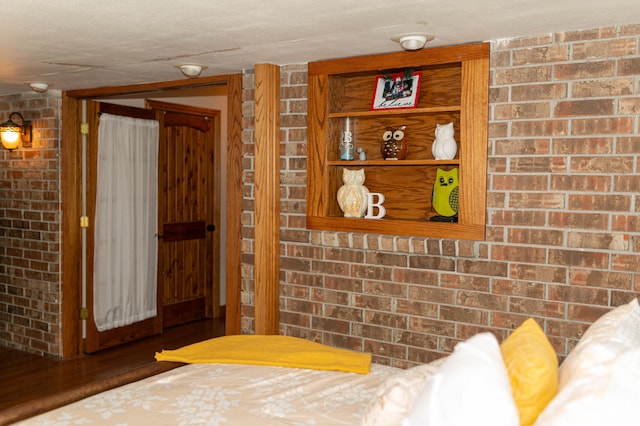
(444, 146)
(352, 196)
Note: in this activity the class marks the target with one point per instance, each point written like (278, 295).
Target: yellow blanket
(283, 351)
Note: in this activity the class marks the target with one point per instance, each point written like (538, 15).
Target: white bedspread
(228, 394)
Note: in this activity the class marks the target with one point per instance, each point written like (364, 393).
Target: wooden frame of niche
(72, 208)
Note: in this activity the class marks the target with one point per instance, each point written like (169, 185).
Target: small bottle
(347, 146)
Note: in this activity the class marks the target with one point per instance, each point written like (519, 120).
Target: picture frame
(396, 91)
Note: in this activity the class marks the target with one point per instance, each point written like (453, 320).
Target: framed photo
(396, 91)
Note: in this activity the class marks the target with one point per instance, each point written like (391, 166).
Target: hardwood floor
(26, 377)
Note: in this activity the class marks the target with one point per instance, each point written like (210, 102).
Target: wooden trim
(181, 231)
(71, 232)
(184, 109)
(234, 204)
(183, 312)
(126, 111)
(399, 60)
(474, 117)
(147, 87)
(267, 198)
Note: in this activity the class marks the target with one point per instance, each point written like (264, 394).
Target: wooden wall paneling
(267, 198)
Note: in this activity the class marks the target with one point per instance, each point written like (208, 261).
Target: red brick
(625, 262)
(604, 241)
(519, 253)
(585, 312)
(595, 107)
(546, 237)
(583, 295)
(629, 106)
(588, 34)
(629, 66)
(625, 223)
(585, 70)
(432, 326)
(599, 49)
(533, 74)
(580, 183)
(535, 307)
(518, 217)
(465, 282)
(547, 201)
(538, 165)
(579, 258)
(539, 128)
(601, 279)
(519, 288)
(603, 87)
(522, 111)
(541, 55)
(609, 203)
(604, 164)
(594, 126)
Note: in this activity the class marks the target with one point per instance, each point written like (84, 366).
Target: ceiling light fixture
(39, 87)
(413, 41)
(191, 70)
(12, 133)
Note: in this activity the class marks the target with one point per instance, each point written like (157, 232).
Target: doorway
(73, 303)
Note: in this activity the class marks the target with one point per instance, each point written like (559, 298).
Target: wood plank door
(96, 340)
(189, 212)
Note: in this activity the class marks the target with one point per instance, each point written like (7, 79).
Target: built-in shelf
(454, 88)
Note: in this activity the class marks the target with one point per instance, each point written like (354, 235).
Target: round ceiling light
(191, 70)
(39, 87)
(413, 41)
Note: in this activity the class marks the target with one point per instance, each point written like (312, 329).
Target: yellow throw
(283, 351)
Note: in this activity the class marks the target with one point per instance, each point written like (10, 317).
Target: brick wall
(563, 241)
(30, 227)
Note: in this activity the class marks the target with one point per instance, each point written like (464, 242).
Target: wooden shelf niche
(454, 88)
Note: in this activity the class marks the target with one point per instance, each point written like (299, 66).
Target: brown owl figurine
(394, 146)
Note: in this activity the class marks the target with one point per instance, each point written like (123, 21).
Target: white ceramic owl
(444, 146)
(352, 196)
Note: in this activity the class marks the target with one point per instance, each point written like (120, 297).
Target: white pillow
(600, 379)
(612, 334)
(395, 396)
(470, 388)
(599, 399)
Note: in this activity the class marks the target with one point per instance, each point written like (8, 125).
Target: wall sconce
(12, 133)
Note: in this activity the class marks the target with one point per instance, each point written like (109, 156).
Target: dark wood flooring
(26, 377)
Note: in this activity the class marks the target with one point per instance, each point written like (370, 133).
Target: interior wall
(563, 241)
(30, 228)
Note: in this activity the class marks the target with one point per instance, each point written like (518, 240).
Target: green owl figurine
(445, 192)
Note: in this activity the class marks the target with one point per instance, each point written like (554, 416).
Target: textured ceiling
(76, 44)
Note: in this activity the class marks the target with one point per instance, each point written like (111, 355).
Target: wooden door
(96, 340)
(189, 212)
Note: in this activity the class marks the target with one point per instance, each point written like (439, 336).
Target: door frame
(71, 179)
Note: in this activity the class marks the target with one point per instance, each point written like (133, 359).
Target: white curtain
(125, 253)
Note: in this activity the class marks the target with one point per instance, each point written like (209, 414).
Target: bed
(234, 394)
(482, 382)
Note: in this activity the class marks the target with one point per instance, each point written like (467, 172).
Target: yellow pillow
(532, 366)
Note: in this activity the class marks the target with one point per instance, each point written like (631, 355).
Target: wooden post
(267, 198)
(234, 203)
